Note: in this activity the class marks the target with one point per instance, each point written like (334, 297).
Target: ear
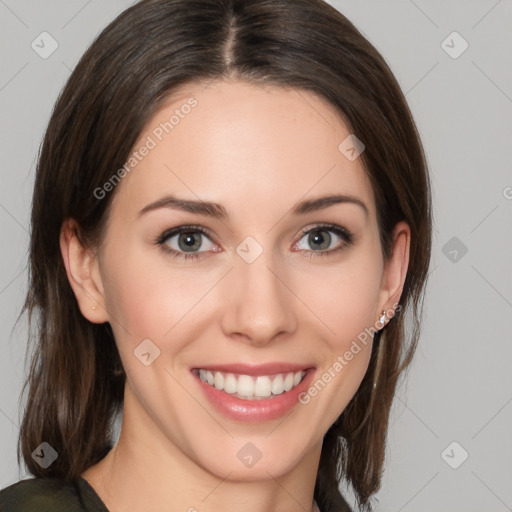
(395, 270)
(83, 273)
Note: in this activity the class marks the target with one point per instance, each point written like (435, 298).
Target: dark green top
(50, 495)
(56, 495)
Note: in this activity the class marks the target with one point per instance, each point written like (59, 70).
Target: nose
(259, 306)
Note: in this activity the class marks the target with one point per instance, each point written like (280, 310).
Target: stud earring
(383, 318)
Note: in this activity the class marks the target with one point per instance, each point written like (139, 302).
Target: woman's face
(223, 260)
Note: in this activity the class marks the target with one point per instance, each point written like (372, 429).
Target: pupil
(187, 241)
(321, 240)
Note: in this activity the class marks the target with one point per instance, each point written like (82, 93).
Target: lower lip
(255, 410)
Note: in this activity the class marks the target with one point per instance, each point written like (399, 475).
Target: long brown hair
(76, 379)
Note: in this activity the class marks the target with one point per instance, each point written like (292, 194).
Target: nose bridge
(260, 306)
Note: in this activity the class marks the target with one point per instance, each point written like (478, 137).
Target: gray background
(460, 385)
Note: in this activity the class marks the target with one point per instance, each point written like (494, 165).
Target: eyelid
(182, 229)
(328, 227)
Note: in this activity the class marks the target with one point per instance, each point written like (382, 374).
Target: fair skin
(258, 152)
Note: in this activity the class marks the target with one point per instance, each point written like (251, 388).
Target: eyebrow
(218, 211)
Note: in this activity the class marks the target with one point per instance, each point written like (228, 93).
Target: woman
(231, 216)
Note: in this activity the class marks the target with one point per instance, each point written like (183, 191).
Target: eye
(191, 241)
(186, 241)
(324, 240)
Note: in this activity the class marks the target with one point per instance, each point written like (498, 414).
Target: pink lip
(255, 411)
(255, 369)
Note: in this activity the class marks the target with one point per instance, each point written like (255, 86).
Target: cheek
(147, 298)
(139, 301)
(345, 297)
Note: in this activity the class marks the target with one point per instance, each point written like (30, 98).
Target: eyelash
(343, 233)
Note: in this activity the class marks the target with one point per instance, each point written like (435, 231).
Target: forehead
(247, 146)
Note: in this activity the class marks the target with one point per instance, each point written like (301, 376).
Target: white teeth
(263, 386)
(252, 388)
(288, 382)
(219, 380)
(245, 386)
(230, 384)
(278, 385)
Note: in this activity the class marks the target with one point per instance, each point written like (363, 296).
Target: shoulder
(46, 495)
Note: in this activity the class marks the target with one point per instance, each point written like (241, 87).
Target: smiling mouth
(248, 387)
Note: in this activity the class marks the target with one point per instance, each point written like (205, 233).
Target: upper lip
(255, 369)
